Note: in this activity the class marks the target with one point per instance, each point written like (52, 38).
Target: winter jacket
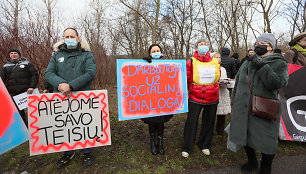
(76, 67)
(247, 128)
(19, 76)
(228, 63)
(224, 105)
(237, 65)
(201, 94)
(301, 60)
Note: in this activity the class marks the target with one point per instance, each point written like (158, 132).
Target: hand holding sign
(65, 89)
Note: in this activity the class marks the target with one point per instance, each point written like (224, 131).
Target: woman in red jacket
(203, 73)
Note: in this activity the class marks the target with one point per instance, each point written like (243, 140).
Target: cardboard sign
(21, 100)
(293, 103)
(155, 89)
(13, 131)
(58, 123)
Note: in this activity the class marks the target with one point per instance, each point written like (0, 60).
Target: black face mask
(261, 50)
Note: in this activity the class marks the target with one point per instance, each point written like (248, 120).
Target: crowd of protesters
(262, 72)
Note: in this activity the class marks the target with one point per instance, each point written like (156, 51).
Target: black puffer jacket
(228, 63)
(19, 76)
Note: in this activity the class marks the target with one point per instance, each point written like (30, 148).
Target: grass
(130, 152)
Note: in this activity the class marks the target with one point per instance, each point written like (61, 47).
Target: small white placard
(21, 100)
(207, 74)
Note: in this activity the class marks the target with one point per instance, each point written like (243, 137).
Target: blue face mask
(203, 49)
(71, 43)
(156, 55)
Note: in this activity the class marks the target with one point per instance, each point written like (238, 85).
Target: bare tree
(92, 25)
(12, 10)
(270, 11)
(180, 19)
(50, 5)
(147, 18)
(295, 13)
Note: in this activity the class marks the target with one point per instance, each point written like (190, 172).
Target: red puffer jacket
(203, 94)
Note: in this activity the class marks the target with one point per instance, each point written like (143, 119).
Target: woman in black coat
(156, 124)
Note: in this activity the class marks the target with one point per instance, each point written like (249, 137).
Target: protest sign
(58, 123)
(21, 100)
(293, 103)
(13, 131)
(155, 89)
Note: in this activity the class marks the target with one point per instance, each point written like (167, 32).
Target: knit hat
(267, 37)
(297, 38)
(14, 50)
(199, 41)
(235, 55)
(225, 51)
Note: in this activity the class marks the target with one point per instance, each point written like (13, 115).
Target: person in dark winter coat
(71, 68)
(267, 72)
(156, 124)
(235, 56)
(228, 63)
(249, 54)
(19, 76)
(297, 53)
(203, 74)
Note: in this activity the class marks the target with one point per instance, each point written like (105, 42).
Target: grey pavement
(281, 165)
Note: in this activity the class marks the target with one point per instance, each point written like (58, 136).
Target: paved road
(281, 165)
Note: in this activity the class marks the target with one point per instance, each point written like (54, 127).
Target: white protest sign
(58, 123)
(21, 100)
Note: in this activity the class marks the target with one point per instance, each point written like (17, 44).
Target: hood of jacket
(84, 45)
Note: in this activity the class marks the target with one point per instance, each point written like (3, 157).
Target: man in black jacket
(249, 54)
(19, 76)
(228, 63)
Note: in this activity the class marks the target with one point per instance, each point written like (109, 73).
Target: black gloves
(258, 62)
(148, 59)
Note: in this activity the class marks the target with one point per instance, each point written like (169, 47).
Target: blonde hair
(214, 55)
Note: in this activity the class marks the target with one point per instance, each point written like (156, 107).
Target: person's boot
(266, 164)
(252, 164)
(160, 137)
(220, 124)
(152, 133)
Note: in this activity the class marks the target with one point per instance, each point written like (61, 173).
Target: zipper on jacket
(203, 94)
(73, 66)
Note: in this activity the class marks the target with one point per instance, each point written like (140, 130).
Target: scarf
(300, 49)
